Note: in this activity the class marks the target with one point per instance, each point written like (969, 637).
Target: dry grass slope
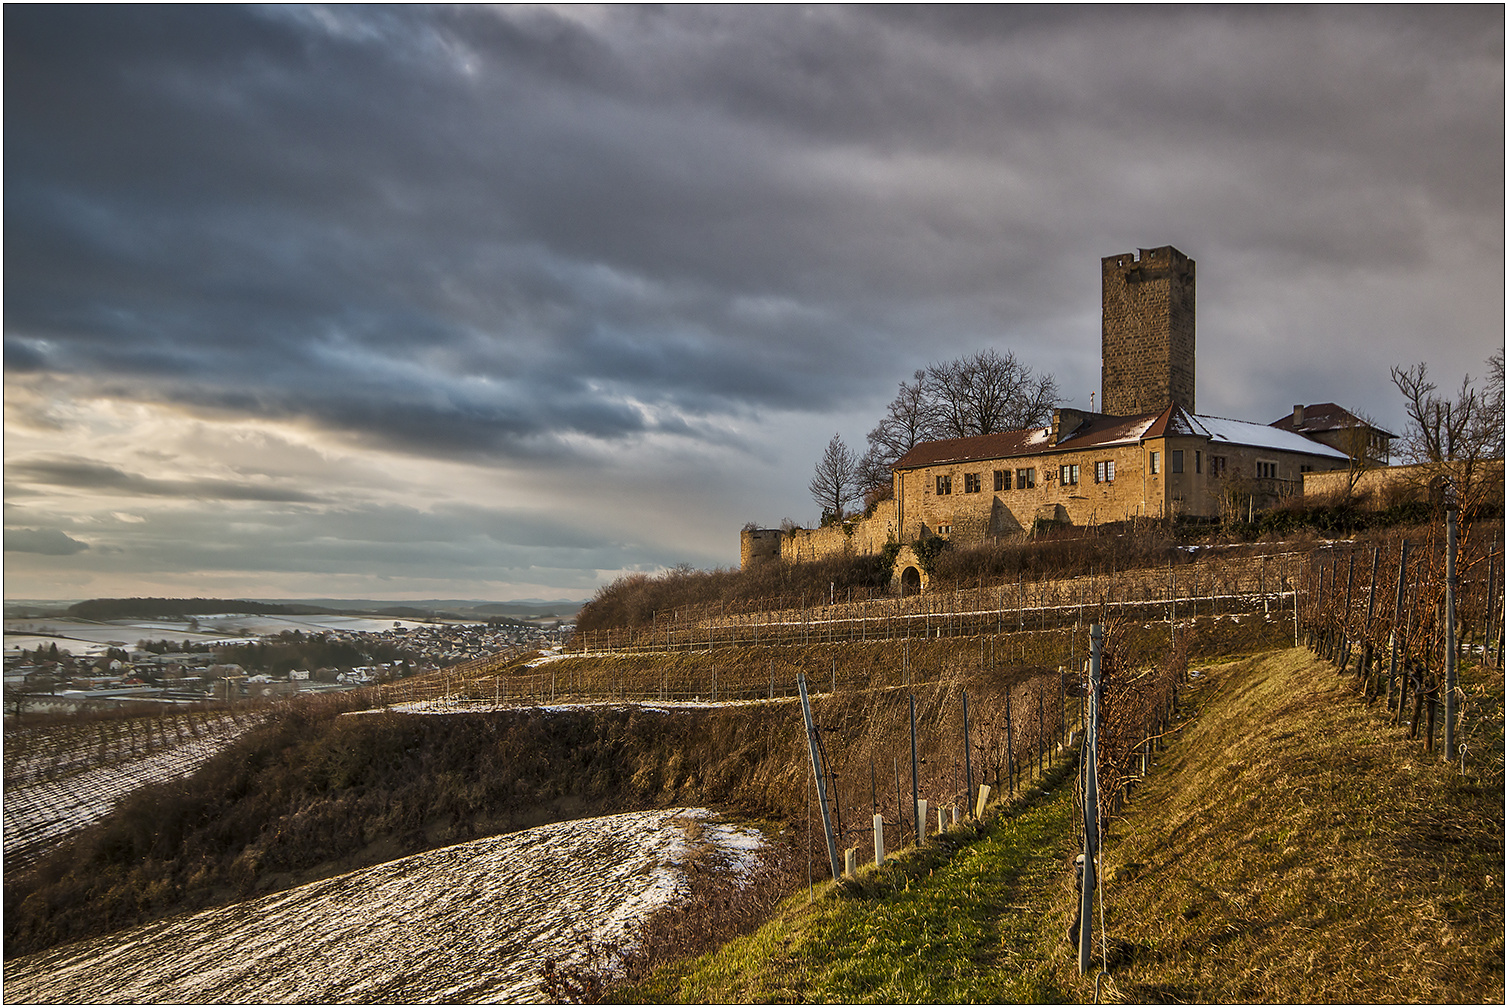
(1298, 849)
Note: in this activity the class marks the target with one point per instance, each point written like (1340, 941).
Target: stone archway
(907, 575)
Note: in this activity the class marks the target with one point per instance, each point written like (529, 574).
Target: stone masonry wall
(1147, 332)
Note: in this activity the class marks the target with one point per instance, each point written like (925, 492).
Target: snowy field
(92, 636)
(52, 790)
(473, 923)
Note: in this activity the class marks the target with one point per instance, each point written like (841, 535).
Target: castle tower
(1147, 333)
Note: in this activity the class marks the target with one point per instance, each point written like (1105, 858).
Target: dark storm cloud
(472, 230)
(85, 474)
(48, 542)
(519, 234)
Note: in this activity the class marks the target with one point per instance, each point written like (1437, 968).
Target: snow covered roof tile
(1098, 430)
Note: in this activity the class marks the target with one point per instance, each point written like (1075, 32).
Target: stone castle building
(1147, 454)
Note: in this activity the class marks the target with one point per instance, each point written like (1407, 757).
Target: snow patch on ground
(39, 813)
(443, 706)
(472, 923)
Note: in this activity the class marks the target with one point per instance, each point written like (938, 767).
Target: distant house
(1342, 430)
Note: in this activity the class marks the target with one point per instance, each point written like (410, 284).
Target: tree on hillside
(1451, 439)
(983, 393)
(835, 483)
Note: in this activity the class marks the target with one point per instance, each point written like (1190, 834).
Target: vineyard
(1403, 616)
(1211, 585)
(470, 923)
(64, 776)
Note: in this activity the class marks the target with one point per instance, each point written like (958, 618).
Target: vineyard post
(1395, 640)
(1091, 804)
(1172, 605)
(1450, 621)
(1010, 748)
(968, 766)
(1346, 631)
(1293, 584)
(1487, 621)
(1041, 731)
(900, 813)
(921, 823)
(818, 773)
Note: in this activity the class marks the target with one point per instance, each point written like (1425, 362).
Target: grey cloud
(98, 476)
(48, 542)
(525, 236)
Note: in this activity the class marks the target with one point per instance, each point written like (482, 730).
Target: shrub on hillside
(634, 599)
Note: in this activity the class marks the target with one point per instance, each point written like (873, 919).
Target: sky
(508, 302)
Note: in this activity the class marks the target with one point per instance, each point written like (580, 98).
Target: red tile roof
(1325, 416)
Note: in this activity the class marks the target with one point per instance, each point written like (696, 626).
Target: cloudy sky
(505, 302)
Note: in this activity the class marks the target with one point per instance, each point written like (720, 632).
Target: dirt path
(464, 924)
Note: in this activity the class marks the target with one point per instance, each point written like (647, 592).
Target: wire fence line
(1213, 585)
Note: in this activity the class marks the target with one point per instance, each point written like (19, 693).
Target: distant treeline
(153, 608)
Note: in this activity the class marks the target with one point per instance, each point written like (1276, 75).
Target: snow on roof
(1098, 430)
(1255, 435)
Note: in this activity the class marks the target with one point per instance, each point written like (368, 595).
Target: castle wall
(758, 545)
(860, 537)
(1147, 332)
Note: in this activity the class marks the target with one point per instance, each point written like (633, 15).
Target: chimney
(1064, 422)
(1298, 416)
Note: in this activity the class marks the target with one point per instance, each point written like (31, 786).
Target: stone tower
(1147, 334)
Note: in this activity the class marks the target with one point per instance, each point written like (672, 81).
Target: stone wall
(859, 537)
(1147, 332)
(1391, 483)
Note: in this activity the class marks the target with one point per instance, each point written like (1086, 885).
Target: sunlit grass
(939, 924)
(1296, 847)
(1291, 846)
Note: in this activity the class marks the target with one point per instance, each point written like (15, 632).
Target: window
(1304, 468)
(1198, 462)
(1175, 461)
(1026, 479)
(1217, 465)
(1267, 470)
(1153, 462)
(943, 530)
(1069, 475)
(1104, 472)
(944, 485)
(971, 483)
(1002, 480)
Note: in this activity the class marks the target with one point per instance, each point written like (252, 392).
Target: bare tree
(1451, 440)
(835, 484)
(984, 393)
(1359, 440)
(1442, 430)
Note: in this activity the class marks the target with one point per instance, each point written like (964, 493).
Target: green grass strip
(962, 919)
